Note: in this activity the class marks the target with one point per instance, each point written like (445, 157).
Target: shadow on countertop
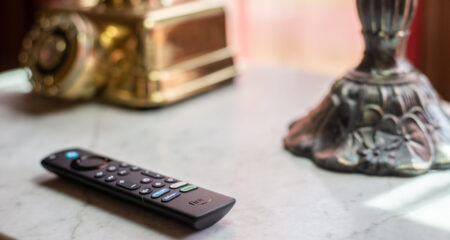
(116, 206)
(37, 105)
(32, 104)
(6, 237)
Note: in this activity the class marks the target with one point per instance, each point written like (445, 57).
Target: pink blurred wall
(314, 35)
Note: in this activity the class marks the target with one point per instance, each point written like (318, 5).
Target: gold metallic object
(131, 52)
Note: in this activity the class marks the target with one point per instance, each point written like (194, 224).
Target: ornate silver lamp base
(384, 117)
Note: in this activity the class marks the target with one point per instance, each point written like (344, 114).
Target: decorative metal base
(383, 118)
(388, 128)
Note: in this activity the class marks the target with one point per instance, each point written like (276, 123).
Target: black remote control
(196, 206)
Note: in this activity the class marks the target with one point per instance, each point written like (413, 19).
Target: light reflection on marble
(229, 140)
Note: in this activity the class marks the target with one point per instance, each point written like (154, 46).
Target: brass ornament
(135, 53)
(384, 117)
(60, 52)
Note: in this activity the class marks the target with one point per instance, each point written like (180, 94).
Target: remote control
(196, 206)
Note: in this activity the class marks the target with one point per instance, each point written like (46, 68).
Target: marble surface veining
(228, 140)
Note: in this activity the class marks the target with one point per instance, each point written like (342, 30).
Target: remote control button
(127, 185)
(111, 168)
(122, 172)
(145, 191)
(123, 165)
(134, 168)
(188, 188)
(110, 178)
(152, 174)
(158, 184)
(146, 180)
(170, 180)
(89, 163)
(178, 185)
(99, 174)
(72, 155)
(160, 192)
(170, 197)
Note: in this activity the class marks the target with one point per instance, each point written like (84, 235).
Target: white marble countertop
(228, 140)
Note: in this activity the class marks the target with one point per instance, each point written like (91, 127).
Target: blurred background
(320, 36)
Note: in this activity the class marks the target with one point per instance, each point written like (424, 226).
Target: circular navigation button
(89, 163)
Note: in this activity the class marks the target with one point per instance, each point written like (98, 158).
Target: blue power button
(72, 155)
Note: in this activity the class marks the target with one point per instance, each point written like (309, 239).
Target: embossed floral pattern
(399, 143)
